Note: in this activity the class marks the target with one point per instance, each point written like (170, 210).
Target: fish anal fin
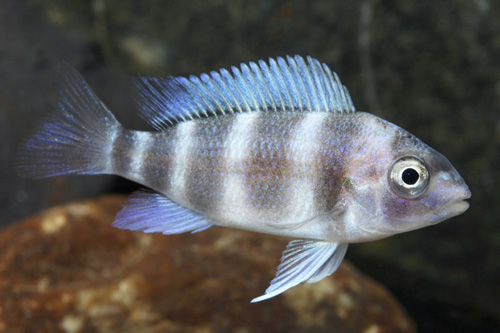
(149, 212)
(304, 260)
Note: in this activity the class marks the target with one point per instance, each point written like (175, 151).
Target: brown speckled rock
(68, 270)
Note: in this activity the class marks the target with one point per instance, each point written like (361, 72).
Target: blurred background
(431, 67)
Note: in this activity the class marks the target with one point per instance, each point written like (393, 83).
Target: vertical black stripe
(206, 171)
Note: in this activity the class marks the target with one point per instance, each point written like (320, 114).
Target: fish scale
(274, 147)
(199, 184)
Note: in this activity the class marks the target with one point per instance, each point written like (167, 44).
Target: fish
(273, 147)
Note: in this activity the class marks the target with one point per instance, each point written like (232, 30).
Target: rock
(68, 270)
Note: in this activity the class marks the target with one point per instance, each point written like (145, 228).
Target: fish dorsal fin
(281, 85)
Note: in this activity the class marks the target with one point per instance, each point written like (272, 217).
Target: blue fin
(76, 140)
(304, 260)
(278, 86)
(152, 212)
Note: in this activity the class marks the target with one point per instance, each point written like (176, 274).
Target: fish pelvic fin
(304, 260)
(76, 140)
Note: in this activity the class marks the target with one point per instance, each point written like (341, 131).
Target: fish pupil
(410, 176)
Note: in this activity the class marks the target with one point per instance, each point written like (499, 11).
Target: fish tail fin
(76, 140)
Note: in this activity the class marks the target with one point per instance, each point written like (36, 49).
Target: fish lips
(455, 207)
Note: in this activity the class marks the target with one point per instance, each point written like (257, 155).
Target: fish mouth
(460, 207)
(460, 203)
(455, 207)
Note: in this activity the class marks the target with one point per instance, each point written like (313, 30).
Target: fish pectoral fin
(334, 214)
(304, 260)
(289, 225)
(149, 212)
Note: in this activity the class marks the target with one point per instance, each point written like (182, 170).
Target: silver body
(276, 149)
(303, 175)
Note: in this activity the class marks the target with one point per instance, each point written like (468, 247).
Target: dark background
(431, 67)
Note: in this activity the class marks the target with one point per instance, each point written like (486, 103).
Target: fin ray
(304, 260)
(76, 140)
(149, 212)
(280, 85)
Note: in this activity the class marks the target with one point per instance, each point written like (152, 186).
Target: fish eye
(409, 177)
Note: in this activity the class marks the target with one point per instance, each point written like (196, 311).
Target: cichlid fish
(275, 147)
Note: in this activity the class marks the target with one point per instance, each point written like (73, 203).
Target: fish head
(424, 189)
(407, 186)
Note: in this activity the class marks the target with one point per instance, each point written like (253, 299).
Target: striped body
(266, 172)
(249, 171)
(274, 148)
